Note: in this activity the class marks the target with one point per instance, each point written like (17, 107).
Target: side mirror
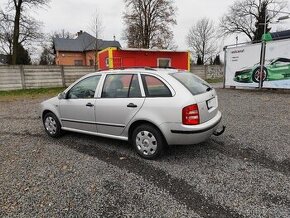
(61, 96)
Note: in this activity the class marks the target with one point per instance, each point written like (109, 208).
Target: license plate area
(211, 103)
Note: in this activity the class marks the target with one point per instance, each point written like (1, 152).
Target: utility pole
(262, 73)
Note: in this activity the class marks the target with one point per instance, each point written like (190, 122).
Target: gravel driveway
(243, 173)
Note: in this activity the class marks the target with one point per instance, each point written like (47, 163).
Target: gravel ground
(243, 173)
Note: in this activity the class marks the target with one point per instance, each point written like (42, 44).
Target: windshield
(193, 83)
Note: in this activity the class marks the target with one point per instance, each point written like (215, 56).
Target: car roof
(156, 71)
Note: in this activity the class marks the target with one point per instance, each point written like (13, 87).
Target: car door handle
(89, 104)
(131, 105)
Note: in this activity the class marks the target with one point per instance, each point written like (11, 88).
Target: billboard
(243, 64)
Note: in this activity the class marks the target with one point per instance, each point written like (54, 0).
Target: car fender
(51, 105)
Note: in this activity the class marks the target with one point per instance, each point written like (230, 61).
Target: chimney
(80, 33)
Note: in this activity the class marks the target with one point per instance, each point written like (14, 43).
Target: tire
(255, 76)
(148, 141)
(52, 125)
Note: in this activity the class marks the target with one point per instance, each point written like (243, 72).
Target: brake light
(190, 115)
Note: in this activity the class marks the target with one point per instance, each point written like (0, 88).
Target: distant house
(81, 50)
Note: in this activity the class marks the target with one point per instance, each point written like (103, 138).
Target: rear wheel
(147, 141)
(256, 75)
(52, 125)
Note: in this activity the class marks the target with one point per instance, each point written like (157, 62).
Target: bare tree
(21, 21)
(248, 17)
(6, 33)
(202, 39)
(29, 31)
(61, 34)
(148, 23)
(96, 28)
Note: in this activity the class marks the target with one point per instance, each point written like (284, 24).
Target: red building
(116, 58)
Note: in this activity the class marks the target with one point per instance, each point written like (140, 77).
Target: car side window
(154, 87)
(121, 86)
(84, 89)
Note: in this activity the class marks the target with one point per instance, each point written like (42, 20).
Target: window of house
(164, 62)
(154, 87)
(91, 62)
(85, 88)
(79, 63)
(121, 86)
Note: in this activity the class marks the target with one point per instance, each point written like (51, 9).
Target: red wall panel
(123, 58)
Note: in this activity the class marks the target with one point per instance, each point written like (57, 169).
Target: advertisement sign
(243, 65)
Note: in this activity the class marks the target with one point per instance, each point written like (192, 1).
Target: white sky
(75, 15)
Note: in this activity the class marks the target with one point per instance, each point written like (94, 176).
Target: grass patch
(29, 93)
(215, 80)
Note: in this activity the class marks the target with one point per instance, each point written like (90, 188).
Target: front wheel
(256, 74)
(148, 141)
(52, 125)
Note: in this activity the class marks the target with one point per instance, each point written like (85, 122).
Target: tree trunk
(16, 32)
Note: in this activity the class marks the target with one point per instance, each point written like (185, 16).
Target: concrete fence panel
(48, 76)
(198, 70)
(208, 71)
(10, 78)
(71, 74)
(30, 76)
(26, 77)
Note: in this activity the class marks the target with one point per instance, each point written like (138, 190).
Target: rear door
(120, 100)
(77, 110)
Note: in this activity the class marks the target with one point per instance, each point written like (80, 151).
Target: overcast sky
(75, 15)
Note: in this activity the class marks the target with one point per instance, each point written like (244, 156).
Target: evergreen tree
(217, 60)
(199, 60)
(46, 57)
(23, 57)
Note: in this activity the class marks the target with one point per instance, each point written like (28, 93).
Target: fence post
(62, 75)
(21, 68)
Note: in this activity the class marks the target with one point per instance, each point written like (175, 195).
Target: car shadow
(172, 152)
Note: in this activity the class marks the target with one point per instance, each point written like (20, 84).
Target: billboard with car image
(242, 67)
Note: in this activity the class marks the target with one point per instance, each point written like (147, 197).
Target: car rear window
(193, 83)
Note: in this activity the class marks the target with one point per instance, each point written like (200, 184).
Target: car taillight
(190, 115)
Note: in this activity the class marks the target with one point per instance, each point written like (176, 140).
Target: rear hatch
(204, 95)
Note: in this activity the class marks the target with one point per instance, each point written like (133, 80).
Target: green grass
(29, 93)
(215, 80)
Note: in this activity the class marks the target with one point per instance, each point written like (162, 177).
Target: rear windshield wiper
(209, 89)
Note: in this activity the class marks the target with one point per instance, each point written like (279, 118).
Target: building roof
(84, 42)
(151, 50)
(281, 35)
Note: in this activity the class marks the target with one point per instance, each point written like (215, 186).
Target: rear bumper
(178, 134)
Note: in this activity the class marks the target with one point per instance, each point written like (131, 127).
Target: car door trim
(88, 122)
(95, 133)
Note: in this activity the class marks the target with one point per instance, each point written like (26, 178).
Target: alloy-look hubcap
(257, 75)
(146, 142)
(50, 125)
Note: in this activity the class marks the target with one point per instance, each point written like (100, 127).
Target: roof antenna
(114, 38)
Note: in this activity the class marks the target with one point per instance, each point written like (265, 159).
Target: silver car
(150, 108)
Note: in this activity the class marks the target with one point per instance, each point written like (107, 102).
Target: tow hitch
(219, 132)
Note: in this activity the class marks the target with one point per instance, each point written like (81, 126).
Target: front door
(120, 100)
(77, 111)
